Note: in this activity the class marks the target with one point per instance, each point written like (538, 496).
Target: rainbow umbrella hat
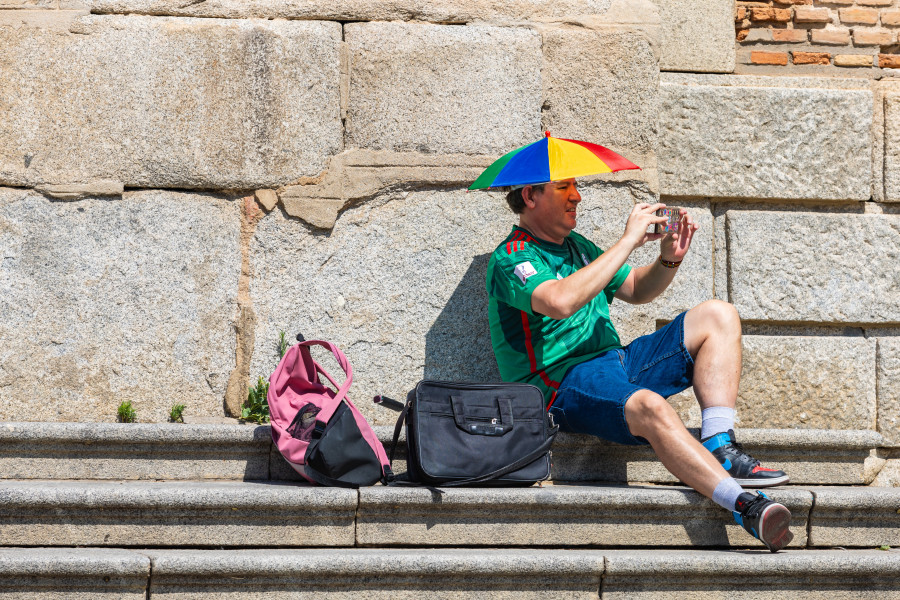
(550, 159)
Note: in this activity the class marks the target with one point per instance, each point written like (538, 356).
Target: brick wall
(845, 36)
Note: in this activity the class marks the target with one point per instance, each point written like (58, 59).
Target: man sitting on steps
(549, 291)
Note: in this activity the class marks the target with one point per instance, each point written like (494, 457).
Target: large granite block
(861, 517)
(602, 86)
(889, 389)
(443, 89)
(581, 515)
(170, 451)
(109, 301)
(711, 575)
(695, 36)
(892, 145)
(732, 136)
(176, 513)
(377, 573)
(437, 11)
(167, 102)
(73, 574)
(827, 268)
(809, 382)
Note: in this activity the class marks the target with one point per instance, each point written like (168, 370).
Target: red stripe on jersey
(532, 361)
(552, 400)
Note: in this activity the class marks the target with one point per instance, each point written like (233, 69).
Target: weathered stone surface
(439, 11)
(861, 517)
(889, 389)
(443, 89)
(29, 4)
(398, 285)
(167, 102)
(765, 137)
(134, 451)
(83, 190)
(892, 145)
(581, 516)
(694, 38)
(109, 301)
(828, 268)
(889, 473)
(175, 513)
(807, 382)
(602, 86)
(267, 198)
(808, 456)
(382, 574)
(73, 574)
(709, 575)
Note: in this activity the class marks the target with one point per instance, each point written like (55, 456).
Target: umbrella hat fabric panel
(550, 159)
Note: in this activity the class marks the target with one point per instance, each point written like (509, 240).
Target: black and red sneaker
(767, 521)
(745, 469)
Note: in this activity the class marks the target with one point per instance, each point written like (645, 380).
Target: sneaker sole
(774, 525)
(762, 483)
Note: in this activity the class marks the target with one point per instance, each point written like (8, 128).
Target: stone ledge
(54, 573)
(663, 574)
(855, 517)
(175, 513)
(134, 451)
(580, 516)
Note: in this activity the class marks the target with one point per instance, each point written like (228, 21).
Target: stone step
(232, 514)
(450, 573)
(245, 452)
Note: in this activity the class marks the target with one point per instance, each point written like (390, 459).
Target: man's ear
(528, 196)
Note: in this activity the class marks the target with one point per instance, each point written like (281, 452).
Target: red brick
(853, 60)
(769, 58)
(868, 37)
(793, 2)
(808, 14)
(890, 17)
(789, 36)
(811, 58)
(782, 15)
(740, 13)
(862, 16)
(742, 34)
(832, 37)
(875, 2)
(889, 61)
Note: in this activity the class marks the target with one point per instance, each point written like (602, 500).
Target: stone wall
(181, 181)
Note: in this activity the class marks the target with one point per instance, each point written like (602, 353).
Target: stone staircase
(93, 510)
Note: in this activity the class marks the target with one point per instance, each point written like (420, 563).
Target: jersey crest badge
(524, 270)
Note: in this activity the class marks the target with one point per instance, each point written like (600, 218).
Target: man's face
(555, 208)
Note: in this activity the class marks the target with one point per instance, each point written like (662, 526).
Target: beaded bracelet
(669, 264)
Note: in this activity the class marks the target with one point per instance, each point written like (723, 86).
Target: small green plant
(885, 548)
(256, 408)
(126, 413)
(175, 413)
(282, 345)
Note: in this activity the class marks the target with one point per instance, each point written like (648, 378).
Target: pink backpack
(318, 430)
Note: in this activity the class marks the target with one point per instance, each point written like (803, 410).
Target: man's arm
(646, 283)
(559, 299)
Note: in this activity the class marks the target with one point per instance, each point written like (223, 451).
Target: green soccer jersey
(530, 347)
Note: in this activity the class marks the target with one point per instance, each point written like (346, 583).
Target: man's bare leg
(651, 417)
(712, 335)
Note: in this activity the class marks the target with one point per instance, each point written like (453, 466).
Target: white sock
(726, 493)
(716, 419)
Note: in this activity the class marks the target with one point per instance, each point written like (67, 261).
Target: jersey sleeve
(512, 276)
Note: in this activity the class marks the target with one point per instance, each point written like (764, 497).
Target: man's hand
(674, 246)
(641, 218)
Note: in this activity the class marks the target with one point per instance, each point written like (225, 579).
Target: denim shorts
(591, 398)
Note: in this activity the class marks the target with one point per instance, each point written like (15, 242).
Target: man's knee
(647, 412)
(722, 314)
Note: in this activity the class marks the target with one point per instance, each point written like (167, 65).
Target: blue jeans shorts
(591, 398)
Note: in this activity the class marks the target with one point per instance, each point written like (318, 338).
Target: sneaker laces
(740, 448)
(755, 506)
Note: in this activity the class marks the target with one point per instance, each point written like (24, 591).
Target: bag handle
(492, 428)
(330, 406)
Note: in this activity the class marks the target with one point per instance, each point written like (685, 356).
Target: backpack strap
(330, 406)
